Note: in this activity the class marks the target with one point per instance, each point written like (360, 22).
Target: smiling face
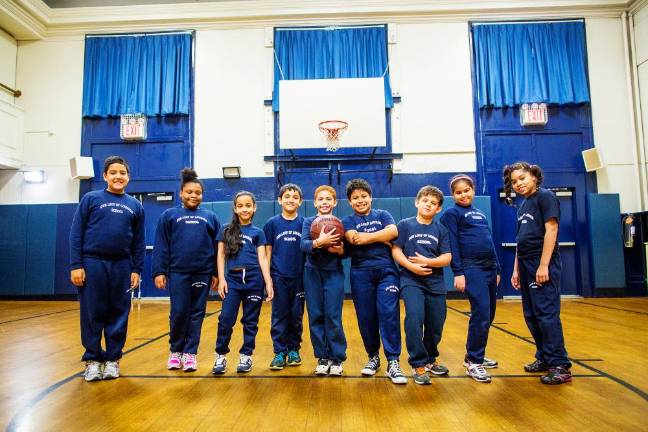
(523, 182)
(324, 202)
(360, 201)
(290, 201)
(116, 177)
(428, 206)
(244, 207)
(191, 195)
(463, 193)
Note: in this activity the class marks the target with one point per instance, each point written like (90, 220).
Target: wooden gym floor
(41, 388)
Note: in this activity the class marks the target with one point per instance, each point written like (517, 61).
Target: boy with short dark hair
(374, 279)
(422, 249)
(283, 238)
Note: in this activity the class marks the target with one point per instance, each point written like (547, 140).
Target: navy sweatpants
(105, 305)
(188, 294)
(248, 289)
(376, 296)
(541, 306)
(425, 314)
(324, 299)
(287, 313)
(481, 289)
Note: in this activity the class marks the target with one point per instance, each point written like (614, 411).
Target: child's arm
(515, 277)
(77, 231)
(449, 220)
(440, 261)
(401, 259)
(385, 235)
(220, 265)
(268, 252)
(138, 249)
(265, 270)
(160, 267)
(550, 238)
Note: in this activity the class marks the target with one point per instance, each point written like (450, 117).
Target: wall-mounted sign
(133, 127)
(533, 114)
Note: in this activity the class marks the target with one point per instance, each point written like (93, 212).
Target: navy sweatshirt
(471, 239)
(185, 242)
(108, 226)
(375, 254)
(319, 258)
(285, 238)
(534, 212)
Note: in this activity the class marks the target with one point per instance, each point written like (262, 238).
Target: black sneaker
(536, 366)
(557, 375)
(372, 366)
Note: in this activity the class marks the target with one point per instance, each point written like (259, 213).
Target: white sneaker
(372, 366)
(189, 362)
(92, 371)
(335, 369)
(477, 372)
(395, 373)
(220, 366)
(111, 370)
(323, 366)
(490, 363)
(245, 364)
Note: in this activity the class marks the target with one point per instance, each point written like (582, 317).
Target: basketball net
(333, 130)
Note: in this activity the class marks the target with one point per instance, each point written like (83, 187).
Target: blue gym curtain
(517, 63)
(324, 53)
(148, 74)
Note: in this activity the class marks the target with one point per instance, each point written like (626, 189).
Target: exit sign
(133, 127)
(533, 114)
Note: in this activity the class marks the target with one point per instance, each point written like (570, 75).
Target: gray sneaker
(436, 369)
(220, 365)
(111, 370)
(490, 363)
(245, 364)
(421, 376)
(371, 367)
(92, 371)
(395, 373)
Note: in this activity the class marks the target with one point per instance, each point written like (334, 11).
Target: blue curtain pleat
(148, 74)
(359, 52)
(534, 62)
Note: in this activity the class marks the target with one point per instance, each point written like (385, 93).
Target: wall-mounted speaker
(592, 159)
(81, 168)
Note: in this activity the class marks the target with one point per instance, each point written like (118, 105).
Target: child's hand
(135, 280)
(160, 281)
(460, 283)
(327, 238)
(214, 283)
(339, 249)
(418, 259)
(498, 280)
(222, 288)
(359, 238)
(269, 291)
(515, 280)
(77, 277)
(542, 274)
(420, 270)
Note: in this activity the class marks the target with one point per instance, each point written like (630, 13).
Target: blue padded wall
(606, 244)
(40, 254)
(62, 284)
(13, 238)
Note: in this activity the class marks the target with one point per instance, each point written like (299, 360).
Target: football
(327, 222)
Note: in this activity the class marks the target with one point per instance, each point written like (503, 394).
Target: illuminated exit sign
(133, 127)
(533, 114)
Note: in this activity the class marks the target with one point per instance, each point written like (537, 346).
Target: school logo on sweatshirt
(191, 219)
(116, 207)
(289, 236)
(392, 289)
(475, 215)
(523, 218)
(423, 238)
(254, 298)
(370, 226)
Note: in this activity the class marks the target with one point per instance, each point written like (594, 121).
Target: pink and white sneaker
(174, 361)
(189, 362)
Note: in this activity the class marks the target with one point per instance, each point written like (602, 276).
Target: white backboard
(305, 103)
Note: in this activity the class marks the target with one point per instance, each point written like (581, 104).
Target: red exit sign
(133, 127)
(533, 114)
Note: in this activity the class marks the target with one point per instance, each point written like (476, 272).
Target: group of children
(193, 253)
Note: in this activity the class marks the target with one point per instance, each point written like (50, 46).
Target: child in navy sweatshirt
(184, 260)
(106, 260)
(476, 271)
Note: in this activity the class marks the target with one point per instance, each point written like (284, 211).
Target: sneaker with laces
(293, 358)
(323, 366)
(278, 362)
(174, 361)
(335, 369)
(421, 376)
(477, 372)
(395, 373)
(436, 368)
(189, 362)
(536, 366)
(557, 375)
(371, 367)
(245, 364)
(92, 371)
(490, 363)
(111, 370)
(220, 365)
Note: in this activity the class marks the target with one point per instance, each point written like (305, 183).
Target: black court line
(581, 363)
(612, 307)
(589, 360)
(334, 378)
(18, 419)
(38, 316)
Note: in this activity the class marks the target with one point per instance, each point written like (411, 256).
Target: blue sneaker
(220, 366)
(293, 358)
(245, 364)
(278, 362)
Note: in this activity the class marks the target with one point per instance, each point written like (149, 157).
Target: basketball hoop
(333, 129)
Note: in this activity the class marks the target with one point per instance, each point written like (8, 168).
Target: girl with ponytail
(184, 261)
